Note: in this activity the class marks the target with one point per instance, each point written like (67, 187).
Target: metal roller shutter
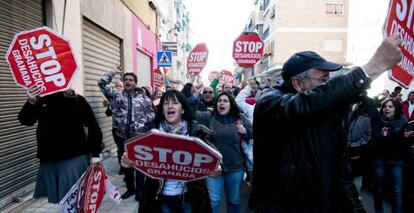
(18, 163)
(101, 51)
(144, 69)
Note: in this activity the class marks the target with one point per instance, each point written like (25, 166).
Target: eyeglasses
(322, 80)
(207, 92)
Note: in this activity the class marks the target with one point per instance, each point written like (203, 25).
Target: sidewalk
(111, 167)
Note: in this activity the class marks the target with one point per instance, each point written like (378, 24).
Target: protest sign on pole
(158, 78)
(197, 59)
(169, 156)
(95, 189)
(213, 75)
(400, 21)
(248, 49)
(226, 77)
(87, 193)
(44, 58)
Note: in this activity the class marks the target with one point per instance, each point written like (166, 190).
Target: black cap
(302, 61)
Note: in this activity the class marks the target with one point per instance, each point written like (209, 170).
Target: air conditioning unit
(259, 18)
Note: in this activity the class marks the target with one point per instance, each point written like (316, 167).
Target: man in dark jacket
(300, 152)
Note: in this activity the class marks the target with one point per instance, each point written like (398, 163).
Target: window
(264, 4)
(250, 26)
(334, 7)
(265, 63)
(273, 13)
(268, 49)
(265, 34)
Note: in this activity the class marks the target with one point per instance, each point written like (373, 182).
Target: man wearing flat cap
(300, 151)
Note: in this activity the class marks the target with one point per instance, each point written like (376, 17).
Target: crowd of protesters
(314, 138)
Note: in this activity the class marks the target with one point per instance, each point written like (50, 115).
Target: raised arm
(103, 83)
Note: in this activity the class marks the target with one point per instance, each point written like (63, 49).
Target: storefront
(144, 52)
(18, 163)
(101, 51)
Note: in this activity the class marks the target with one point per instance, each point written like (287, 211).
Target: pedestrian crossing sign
(164, 59)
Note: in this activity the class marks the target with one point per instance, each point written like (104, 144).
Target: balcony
(258, 17)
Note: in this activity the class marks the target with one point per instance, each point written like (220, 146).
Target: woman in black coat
(389, 152)
(63, 148)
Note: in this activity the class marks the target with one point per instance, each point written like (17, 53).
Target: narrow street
(184, 89)
(131, 206)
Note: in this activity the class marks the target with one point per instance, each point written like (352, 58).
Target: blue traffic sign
(164, 59)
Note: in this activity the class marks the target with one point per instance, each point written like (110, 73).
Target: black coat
(367, 107)
(187, 90)
(196, 194)
(394, 145)
(362, 156)
(61, 122)
(197, 103)
(300, 151)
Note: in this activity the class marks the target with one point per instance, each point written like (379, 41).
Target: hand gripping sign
(248, 49)
(162, 155)
(197, 59)
(400, 21)
(42, 57)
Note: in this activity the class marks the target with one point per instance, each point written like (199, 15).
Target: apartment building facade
(291, 26)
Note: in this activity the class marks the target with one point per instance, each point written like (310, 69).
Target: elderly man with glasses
(300, 150)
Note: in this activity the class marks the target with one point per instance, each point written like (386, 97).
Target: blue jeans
(231, 183)
(171, 204)
(394, 167)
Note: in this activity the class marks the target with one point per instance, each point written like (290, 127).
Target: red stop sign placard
(168, 156)
(44, 58)
(400, 21)
(158, 78)
(247, 49)
(197, 59)
(213, 75)
(94, 190)
(227, 77)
